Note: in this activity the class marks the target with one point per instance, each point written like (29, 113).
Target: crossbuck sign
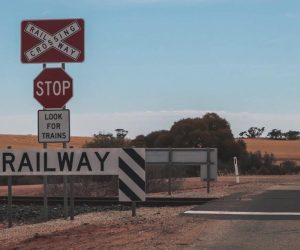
(46, 41)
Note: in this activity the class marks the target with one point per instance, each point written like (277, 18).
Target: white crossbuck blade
(55, 41)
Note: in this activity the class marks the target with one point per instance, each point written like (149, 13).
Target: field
(282, 149)
(152, 228)
(31, 141)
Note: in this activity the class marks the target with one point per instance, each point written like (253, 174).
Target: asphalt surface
(270, 220)
(273, 205)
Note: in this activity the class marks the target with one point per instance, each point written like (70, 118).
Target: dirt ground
(152, 228)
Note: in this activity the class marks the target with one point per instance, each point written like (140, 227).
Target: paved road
(270, 220)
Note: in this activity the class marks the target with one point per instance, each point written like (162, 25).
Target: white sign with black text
(54, 126)
(92, 161)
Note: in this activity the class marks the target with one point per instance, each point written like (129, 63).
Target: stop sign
(53, 88)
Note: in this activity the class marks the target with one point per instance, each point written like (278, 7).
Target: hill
(31, 141)
(282, 149)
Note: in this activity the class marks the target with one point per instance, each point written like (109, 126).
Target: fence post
(208, 164)
(170, 172)
(9, 198)
(236, 170)
(133, 208)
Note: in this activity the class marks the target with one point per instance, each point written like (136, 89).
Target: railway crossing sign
(53, 126)
(53, 88)
(52, 41)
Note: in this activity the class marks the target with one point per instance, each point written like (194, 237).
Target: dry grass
(31, 141)
(282, 149)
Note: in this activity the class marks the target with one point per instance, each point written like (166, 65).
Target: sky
(149, 63)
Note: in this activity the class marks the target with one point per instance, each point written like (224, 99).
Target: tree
(292, 135)
(275, 134)
(209, 131)
(106, 140)
(121, 133)
(253, 132)
(139, 142)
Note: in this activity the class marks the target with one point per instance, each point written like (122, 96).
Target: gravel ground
(11, 236)
(161, 228)
(30, 214)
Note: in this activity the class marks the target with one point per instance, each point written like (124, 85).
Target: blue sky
(149, 63)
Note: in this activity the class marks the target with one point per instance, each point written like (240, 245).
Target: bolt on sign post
(53, 126)
(52, 41)
(53, 88)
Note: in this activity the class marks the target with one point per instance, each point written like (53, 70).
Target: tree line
(275, 134)
(208, 131)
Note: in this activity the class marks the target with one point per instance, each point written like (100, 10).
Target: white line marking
(240, 213)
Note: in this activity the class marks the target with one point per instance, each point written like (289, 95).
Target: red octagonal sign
(53, 88)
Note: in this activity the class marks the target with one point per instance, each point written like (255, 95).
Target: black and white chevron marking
(132, 184)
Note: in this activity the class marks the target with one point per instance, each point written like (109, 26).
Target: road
(267, 220)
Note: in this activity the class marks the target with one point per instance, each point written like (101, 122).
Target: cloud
(174, 2)
(145, 122)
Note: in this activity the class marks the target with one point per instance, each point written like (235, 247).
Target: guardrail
(206, 158)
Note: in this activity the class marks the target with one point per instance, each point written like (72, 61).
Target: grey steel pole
(45, 180)
(208, 164)
(72, 205)
(65, 177)
(133, 208)
(169, 172)
(45, 184)
(9, 194)
(9, 198)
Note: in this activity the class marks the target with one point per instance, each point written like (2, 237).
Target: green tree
(253, 132)
(209, 131)
(292, 135)
(275, 134)
(106, 140)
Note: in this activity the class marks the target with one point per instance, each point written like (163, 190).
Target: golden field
(31, 141)
(282, 149)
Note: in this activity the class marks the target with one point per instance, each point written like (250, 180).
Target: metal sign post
(45, 184)
(133, 208)
(65, 177)
(170, 172)
(53, 125)
(9, 198)
(52, 41)
(55, 41)
(72, 205)
(208, 171)
(53, 88)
